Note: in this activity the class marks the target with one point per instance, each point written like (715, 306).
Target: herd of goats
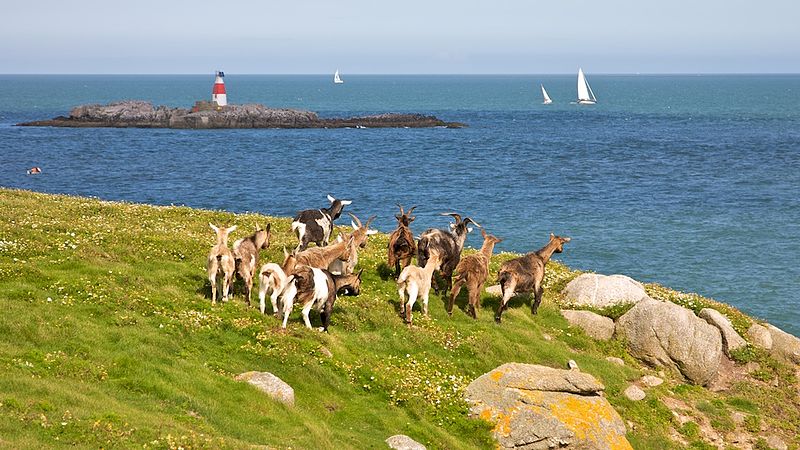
(313, 276)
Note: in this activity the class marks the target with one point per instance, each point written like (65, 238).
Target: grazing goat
(313, 288)
(360, 235)
(316, 225)
(416, 281)
(472, 271)
(322, 257)
(401, 242)
(272, 281)
(245, 253)
(526, 273)
(449, 245)
(349, 285)
(220, 263)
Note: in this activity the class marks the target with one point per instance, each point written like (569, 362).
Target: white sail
(547, 100)
(336, 78)
(585, 94)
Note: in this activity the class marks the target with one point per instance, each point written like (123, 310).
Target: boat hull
(586, 102)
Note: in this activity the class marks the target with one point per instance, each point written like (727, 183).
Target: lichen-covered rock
(602, 291)
(403, 442)
(760, 336)
(535, 407)
(594, 325)
(269, 384)
(666, 334)
(730, 338)
(784, 346)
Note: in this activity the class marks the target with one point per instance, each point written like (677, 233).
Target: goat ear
(398, 217)
(346, 202)
(331, 199)
(216, 230)
(452, 226)
(483, 233)
(285, 253)
(269, 225)
(371, 232)
(552, 236)
(469, 229)
(411, 219)
(339, 238)
(231, 229)
(566, 239)
(359, 273)
(353, 224)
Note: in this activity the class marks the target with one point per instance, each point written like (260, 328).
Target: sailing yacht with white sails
(336, 79)
(585, 94)
(547, 100)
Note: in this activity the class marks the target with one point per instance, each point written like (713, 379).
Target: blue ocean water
(689, 181)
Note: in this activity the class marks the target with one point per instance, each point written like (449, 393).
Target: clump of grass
(718, 414)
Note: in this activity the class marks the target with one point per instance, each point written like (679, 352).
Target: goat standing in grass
(316, 225)
(472, 271)
(448, 244)
(313, 288)
(220, 262)
(526, 273)
(359, 235)
(416, 281)
(401, 242)
(272, 280)
(245, 253)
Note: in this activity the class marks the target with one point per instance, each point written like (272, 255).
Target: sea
(691, 181)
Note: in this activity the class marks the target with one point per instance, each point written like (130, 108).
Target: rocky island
(205, 115)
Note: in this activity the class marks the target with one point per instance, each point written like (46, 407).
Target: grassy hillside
(108, 339)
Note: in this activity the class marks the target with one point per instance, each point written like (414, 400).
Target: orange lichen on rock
(496, 375)
(590, 418)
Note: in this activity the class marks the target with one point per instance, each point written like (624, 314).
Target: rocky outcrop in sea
(142, 114)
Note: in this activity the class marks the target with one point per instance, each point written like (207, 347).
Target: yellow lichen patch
(496, 375)
(586, 417)
(503, 425)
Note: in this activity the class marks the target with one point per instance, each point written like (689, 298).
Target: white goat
(220, 263)
(416, 281)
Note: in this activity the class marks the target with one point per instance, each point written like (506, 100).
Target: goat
(526, 273)
(348, 284)
(272, 281)
(401, 242)
(360, 235)
(472, 271)
(313, 288)
(449, 245)
(245, 253)
(316, 225)
(220, 262)
(322, 257)
(416, 281)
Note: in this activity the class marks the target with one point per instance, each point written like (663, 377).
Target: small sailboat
(585, 94)
(336, 79)
(547, 100)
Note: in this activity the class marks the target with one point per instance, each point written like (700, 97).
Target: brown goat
(360, 235)
(472, 271)
(401, 242)
(322, 257)
(220, 263)
(348, 284)
(245, 252)
(526, 273)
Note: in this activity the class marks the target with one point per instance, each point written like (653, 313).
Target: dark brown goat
(472, 271)
(401, 242)
(526, 273)
(448, 244)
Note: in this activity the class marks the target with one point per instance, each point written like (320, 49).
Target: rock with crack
(730, 338)
(780, 344)
(536, 407)
(602, 291)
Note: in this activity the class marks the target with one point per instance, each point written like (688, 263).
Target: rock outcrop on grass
(403, 442)
(536, 407)
(602, 291)
(142, 114)
(666, 334)
(730, 338)
(780, 344)
(270, 385)
(594, 325)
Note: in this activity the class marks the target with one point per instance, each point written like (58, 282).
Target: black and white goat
(316, 225)
(312, 288)
(448, 244)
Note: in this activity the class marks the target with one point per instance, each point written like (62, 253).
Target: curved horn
(369, 220)
(469, 219)
(401, 209)
(355, 219)
(331, 199)
(455, 215)
(412, 209)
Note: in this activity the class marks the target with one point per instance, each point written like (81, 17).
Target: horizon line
(396, 74)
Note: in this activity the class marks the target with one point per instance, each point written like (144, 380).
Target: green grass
(108, 339)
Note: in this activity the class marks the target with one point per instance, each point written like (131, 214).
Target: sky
(400, 37)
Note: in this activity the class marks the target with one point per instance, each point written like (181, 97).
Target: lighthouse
(218, 93)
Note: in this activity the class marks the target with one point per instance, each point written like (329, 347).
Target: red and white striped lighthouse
(218, 93)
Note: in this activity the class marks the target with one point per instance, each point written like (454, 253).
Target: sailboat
(547, 100)
(585, 94)
(336, 79)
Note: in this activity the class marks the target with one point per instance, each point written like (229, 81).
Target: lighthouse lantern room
(218, 93)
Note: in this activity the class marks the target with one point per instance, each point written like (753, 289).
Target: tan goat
(220, 263)
(245, 252)
(416, 281)
(472, 271)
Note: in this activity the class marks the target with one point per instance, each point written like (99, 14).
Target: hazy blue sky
(409, 36)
